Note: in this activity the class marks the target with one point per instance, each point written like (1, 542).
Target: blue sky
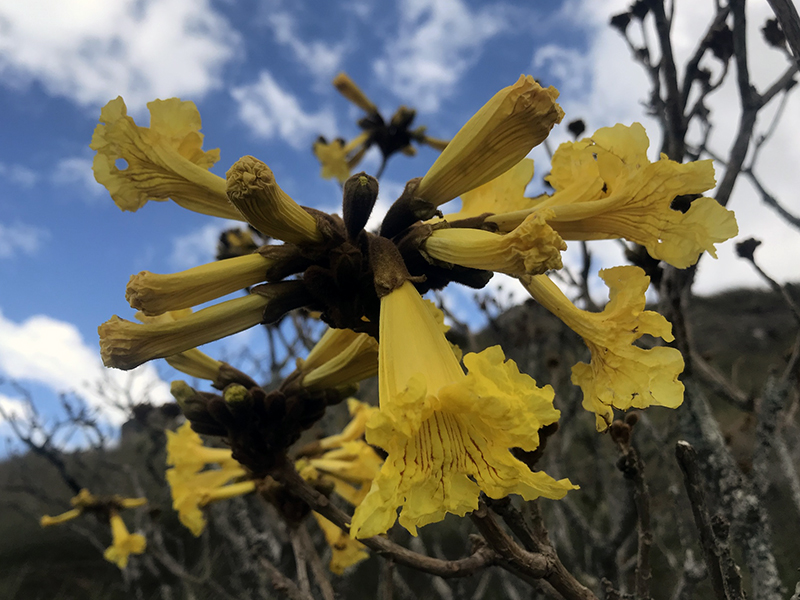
(259, 72)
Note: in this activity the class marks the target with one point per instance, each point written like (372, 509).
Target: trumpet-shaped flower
(163, 161)
(607, 188)
(341, 357)
(123, 543)
(193, 488)
(531, 248)
(155, 294)
(345, 551)
(496, 138)
(334, 159)
(620, 374)
(251, 187)
(448, 435)
(126, 345)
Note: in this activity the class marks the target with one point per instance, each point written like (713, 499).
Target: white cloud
(12, 408)
(437, 41)
(200, 246)
(77, 171)
(321, 59)
(20, 239)
(92, 50)
(272, 112)
(52, 352)
(17, 174)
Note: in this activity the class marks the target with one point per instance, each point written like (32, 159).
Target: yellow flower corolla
(333, 157)
(126, 345)
(448, 435)
(620, 375)
(496, 138)
(123, 543)
(345, 551)
(348, 88)
(163, 161)
(606, 187)
(193, 488)
(341, 357)
(155, 294)
(47, 520)
(251, 188)
(194, 362)
(532, 248)
(503, 194)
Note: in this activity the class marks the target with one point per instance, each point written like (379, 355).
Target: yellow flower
(126, 345)
(448, 435)
(251, 187)
(345, 551)
(193, 362)
(163, 161)
(607, 188)
(333, 157)
(155, 294)
(123, 543)
(341, 357)
(193, 488)
(620, 375)
(531, 248)
(348, 88)
(503, 194)
(496, 138)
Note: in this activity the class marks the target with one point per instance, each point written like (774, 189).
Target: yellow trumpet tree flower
(620, 374)
(334, 159)
(123, 543)
(496, 138)
(448, 435)
(163, 161)
(191, 487)
(154, 293)
(606, 188)
(341, 357)
(126, 345)
(251, 187)
(532, 248)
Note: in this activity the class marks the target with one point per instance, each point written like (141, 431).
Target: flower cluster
(449, 432)
(123, 543)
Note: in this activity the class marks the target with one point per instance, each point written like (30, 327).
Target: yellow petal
(163, 161)
(47, 520)
(503, 194)
(496, 138)
(345, 551)
(620, 375)
(187, 454)
(155, 294)
(531, 248)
